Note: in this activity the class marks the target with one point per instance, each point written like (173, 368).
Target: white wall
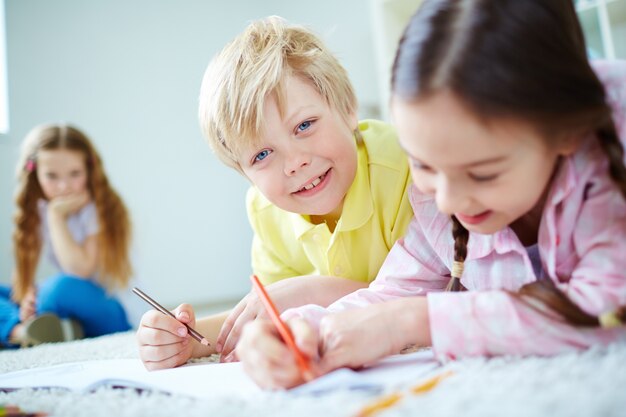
(128, 73)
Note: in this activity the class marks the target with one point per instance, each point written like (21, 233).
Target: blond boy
(329, 194)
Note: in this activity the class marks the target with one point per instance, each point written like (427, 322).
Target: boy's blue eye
(261, 155)
(304, 126)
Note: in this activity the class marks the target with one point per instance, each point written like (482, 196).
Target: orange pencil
(301, 360)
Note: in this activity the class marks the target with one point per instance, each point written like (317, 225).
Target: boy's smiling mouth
(313, 184)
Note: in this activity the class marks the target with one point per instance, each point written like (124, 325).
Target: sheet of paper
(205, 380)
(196, 379)
(391, 372)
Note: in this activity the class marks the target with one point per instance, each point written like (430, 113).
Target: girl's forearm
(73, 258)
(411, 324)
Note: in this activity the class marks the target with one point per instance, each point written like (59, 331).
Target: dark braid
(612, 147)
(461, 237)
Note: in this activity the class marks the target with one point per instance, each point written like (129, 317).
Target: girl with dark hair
(518, 242)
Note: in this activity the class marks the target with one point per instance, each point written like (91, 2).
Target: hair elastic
(30, 165)
(609, 319)
(457, 269)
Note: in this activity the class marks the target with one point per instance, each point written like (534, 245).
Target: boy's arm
(208, 327)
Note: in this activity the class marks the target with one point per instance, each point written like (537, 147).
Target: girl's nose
(450, 197)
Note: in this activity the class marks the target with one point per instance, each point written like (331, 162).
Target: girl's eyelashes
(482, 178)
(422, 167)
(261, 156)
(478, 178)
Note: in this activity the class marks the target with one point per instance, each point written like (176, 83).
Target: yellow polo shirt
(376, 213)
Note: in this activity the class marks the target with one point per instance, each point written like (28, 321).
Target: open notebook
(198, 379)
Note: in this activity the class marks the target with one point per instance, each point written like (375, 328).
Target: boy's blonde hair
(254, 66)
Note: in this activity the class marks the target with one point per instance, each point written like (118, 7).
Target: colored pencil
(14, 411)
(165, 311)
(390, 400)
(283, 330)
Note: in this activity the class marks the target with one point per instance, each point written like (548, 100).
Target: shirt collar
(358, 206)
(564, 182)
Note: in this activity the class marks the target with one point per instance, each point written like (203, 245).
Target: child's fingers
(306, 337)
(335, 359)
(184, 313)
(170, 362)
(149, 336)
(153, 353)
(233, 336)
(229, 323)
(155, 326)
(26, 314)
(265, 358)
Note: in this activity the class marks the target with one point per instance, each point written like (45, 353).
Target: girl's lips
(478, 218)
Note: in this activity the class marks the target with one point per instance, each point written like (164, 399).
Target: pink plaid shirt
(582, 245)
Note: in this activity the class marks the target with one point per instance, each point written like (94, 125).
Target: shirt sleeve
(265, 262)
(266, 265)
(89, 219)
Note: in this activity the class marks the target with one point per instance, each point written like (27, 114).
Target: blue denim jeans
(68, 297)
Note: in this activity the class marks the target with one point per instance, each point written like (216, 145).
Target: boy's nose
(295, 163)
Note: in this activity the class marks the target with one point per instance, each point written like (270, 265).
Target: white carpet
(591, 383)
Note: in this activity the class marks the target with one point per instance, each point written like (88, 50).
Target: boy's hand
(163, 341)
(28, 305)
(285, 294)
(268, 361)
(69, 204)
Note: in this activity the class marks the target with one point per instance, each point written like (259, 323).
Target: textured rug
(590, 383)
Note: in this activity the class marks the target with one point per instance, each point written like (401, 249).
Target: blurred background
(128, 74)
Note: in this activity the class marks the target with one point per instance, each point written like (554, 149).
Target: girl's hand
(28, 306)
(268, 361)
(288, 293)
(357, 337)
(163, 341)
(285, 294)
(69, 204)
